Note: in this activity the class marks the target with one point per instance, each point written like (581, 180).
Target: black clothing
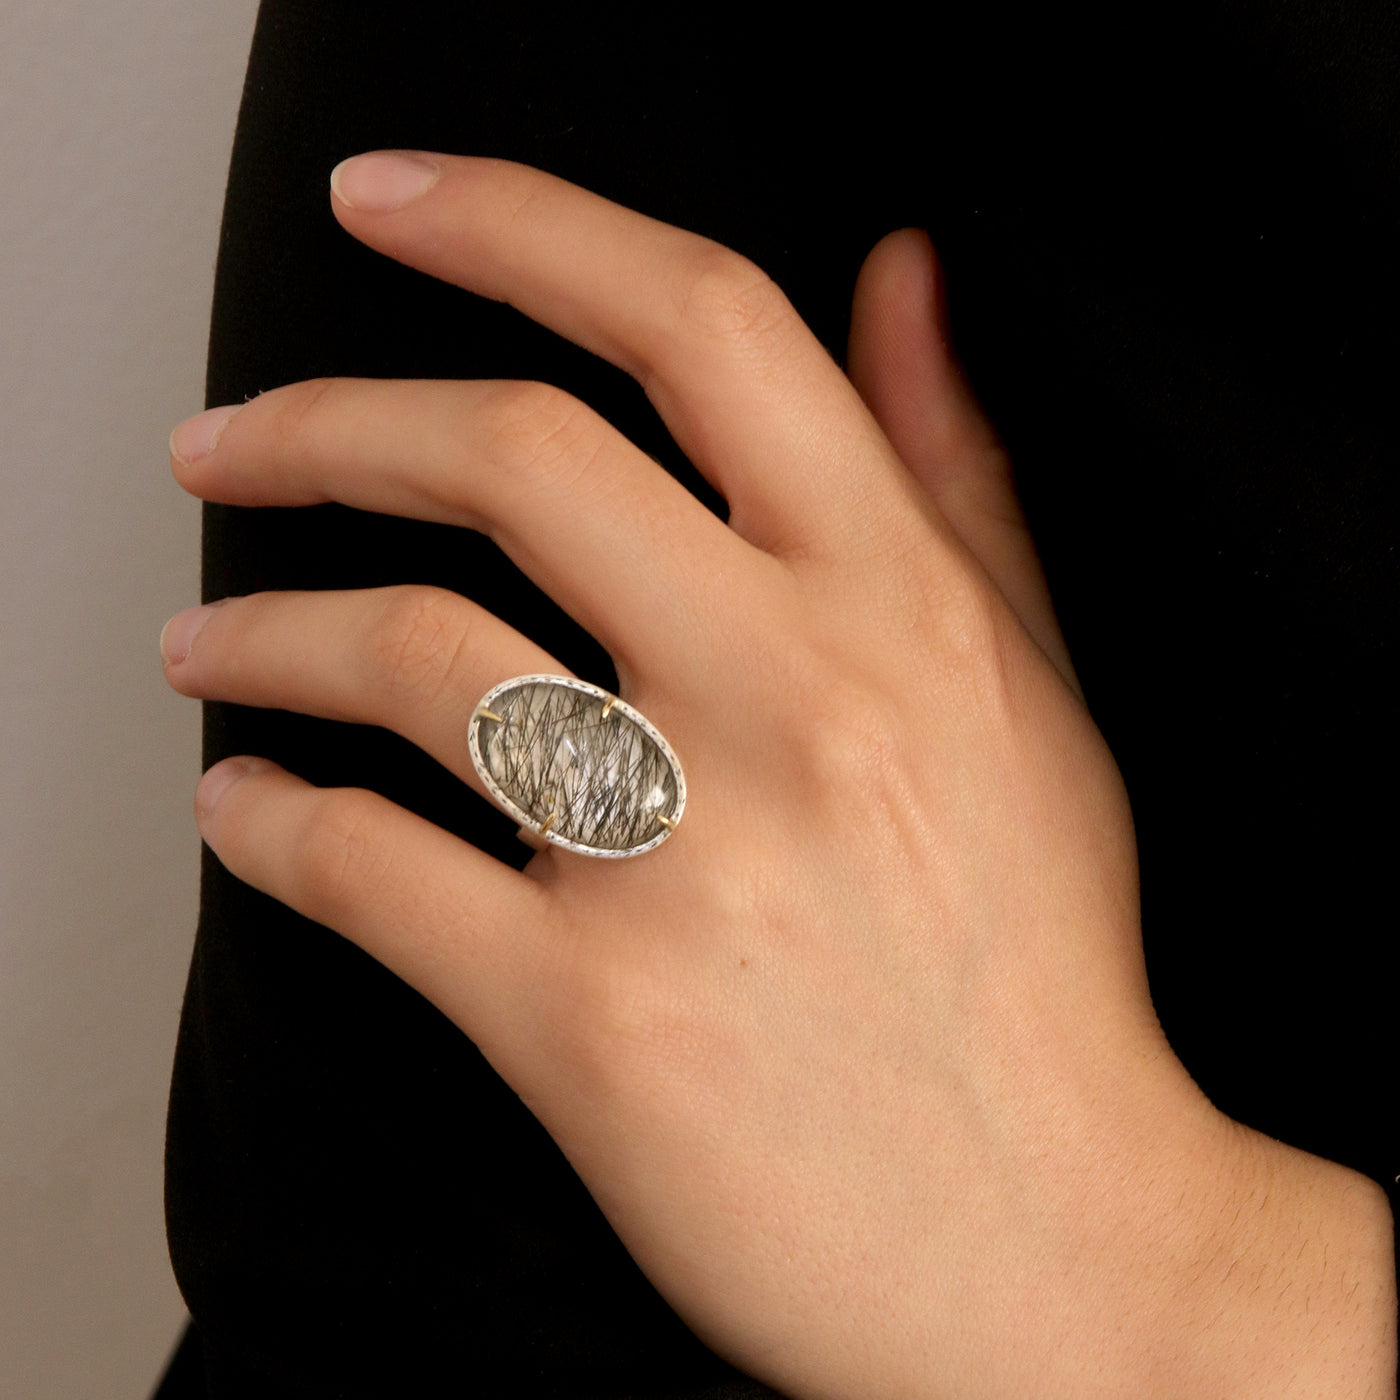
(1172, 253)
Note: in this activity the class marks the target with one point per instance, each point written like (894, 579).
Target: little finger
(469, 933)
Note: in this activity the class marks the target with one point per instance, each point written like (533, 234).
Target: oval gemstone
(577, 765)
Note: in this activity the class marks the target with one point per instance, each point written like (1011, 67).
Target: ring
(576, 765)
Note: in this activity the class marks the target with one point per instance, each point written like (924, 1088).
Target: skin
(861, 1064)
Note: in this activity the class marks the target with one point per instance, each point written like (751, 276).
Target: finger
(411, 659)
(604, 530)
(469, 933)
(900, 360)
(747, 391)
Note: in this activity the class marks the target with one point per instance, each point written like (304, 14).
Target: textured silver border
(528, 822)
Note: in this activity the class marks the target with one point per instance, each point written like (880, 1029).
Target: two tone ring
(576, 766)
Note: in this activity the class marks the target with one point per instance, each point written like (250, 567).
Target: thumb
(900, 362)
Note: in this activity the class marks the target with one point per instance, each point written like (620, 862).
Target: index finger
(748, 392)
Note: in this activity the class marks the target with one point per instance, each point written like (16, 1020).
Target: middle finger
(615, 540)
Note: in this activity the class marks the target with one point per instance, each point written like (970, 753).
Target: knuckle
(850, 739)
(416, 640)
(340, 856)
(727, 298)
(864, 764)
(955, 619)
(826, 720)
(543, 432)
(300, 410)
(972, 624)
(849, 732)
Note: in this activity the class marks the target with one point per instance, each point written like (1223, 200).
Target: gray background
(117, 121)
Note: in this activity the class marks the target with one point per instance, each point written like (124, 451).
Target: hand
(861, 1064)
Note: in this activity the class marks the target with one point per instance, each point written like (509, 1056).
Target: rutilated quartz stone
(577, 765)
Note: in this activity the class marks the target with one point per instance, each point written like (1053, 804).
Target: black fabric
(1171, 247)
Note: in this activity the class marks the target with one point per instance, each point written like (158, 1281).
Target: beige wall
(117, 121)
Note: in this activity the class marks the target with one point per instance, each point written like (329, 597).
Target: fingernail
(177, 636)
(384, 180)
(198, 436)
(222, 776)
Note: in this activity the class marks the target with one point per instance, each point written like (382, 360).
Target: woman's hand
(861, 1063)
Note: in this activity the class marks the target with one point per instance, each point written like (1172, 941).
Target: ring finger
(408, 658)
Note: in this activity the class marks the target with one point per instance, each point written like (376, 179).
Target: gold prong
(484, 713)
(547, 823)
(607, 709)
(668, 822)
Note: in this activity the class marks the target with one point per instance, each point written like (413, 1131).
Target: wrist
(1279, 1277)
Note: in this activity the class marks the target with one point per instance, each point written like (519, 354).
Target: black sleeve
(1172, 263)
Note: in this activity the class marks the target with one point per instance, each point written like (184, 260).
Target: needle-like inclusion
(576, 765)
